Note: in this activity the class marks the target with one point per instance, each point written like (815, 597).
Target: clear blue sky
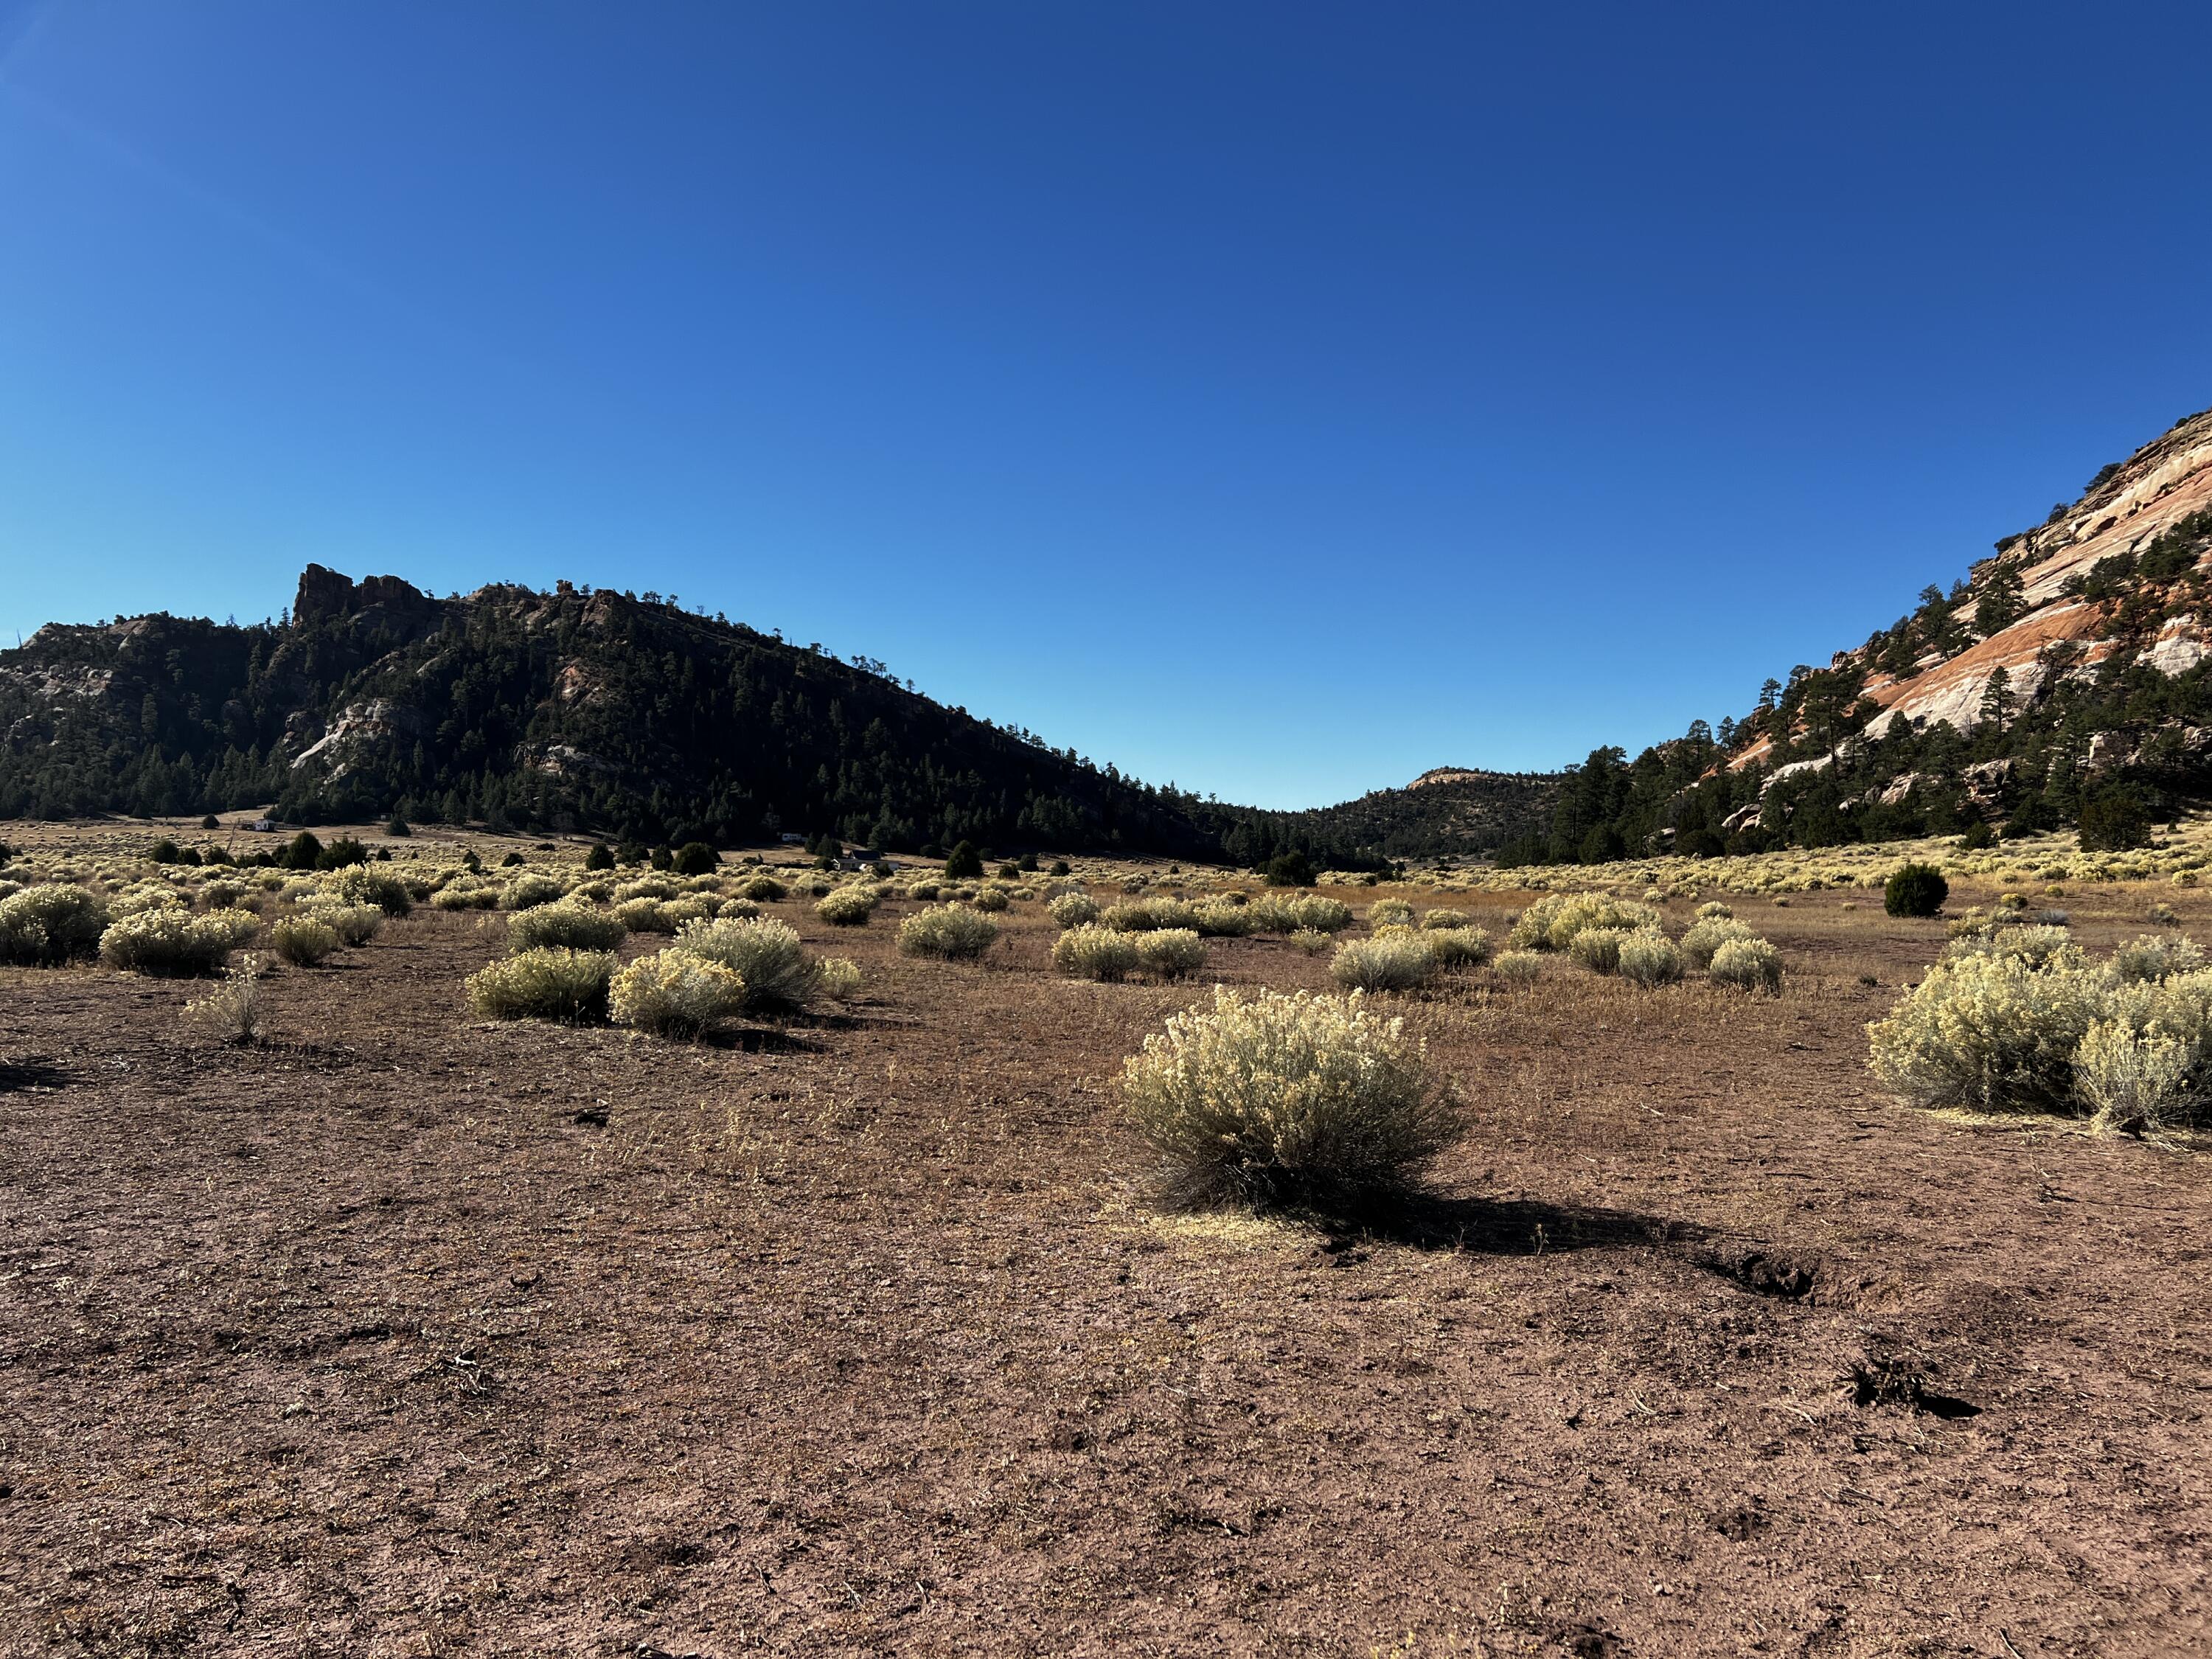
(1277, 399)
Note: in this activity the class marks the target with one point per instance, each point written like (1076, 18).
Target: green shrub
(1915, 889)
(1073, 909)
(601, 857)
(304, 941)
(1519, 967)
(673, 993)
(570, 986)
(1285, 1098)
(1393, 960)
(778, 975)
(51, 923)
(1749, 964)
(849, 907)
(1288, 870)
(964, 863)
(1649, 958)
(1171, 952)
(952, 931)
(176, 941)
(1089, 951)
(694, 858)
(566, 926)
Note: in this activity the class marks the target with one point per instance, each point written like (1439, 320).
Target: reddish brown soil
(858, 1336)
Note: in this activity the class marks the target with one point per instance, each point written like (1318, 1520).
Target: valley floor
(405, 1334)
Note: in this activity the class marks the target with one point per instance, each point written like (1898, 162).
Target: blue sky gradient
(1277, 399)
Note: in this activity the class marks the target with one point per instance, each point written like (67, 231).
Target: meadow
(449, 1254)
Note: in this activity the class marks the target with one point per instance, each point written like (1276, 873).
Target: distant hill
(2064, 679)
(1459, 811)
(584, 710)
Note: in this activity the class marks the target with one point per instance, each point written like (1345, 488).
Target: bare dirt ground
(405, 1334)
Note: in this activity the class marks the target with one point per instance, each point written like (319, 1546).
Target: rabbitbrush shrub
(1598, 948)
(1171, 952)
(849, 907)
(526, 892)
(763, 889)
(1707, 934)
(992, 897)
(1389, 913)
(1458, 947)
(48, 924)
(1090, 951)
(1648, 958)
(566, 926)
(366, 884)
(1073, 909)
(1394, 960)
(838, 978)
(2152, 957)
(645, 915)
(354, 924)
(1447, 918)
(1553, 922)
(1519, 967)
(231, 1011)
(176, 941)
(1286, 1098)
(543, 984)
(304, 941)
(1749, 964)
(675, 993)
(952, 932)
(766, 954)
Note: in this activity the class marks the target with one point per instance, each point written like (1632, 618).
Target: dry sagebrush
(1294, 1098)
(767, 956)
(673, 993)
(552, 984)
(566, 926)
(951, 932)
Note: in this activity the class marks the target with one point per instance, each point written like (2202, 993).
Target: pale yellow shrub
(543, 984)
(675, 993)
(304, 940)
(1171, 952)
(1090, 951)
(1393, 960)
(849, 907)
(1073, 909)
(567, 925)
(1748, 964)
(952, 932)
(1298, 1098)
(766, 954)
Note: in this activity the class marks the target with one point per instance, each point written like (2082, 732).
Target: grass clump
(1090, 951)
(1394, 960)
(549, 983)
(304, 941)
(176, 942)
(951, 933)
(849, 907)
(49, 923)
(231, 1011)
(1286, 1098)
(767, 956)
(565, 927)
(1749, 964)
(1073, 909)
(674, 993)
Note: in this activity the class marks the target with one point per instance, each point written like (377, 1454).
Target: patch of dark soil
(31, 1074)
(1514, 1226)
(1584, 1640)
(1894, 1381)
(1763, 1271)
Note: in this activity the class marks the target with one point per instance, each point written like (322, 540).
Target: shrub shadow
(1508, 1226)
(762, 1040)
(31, 1071)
